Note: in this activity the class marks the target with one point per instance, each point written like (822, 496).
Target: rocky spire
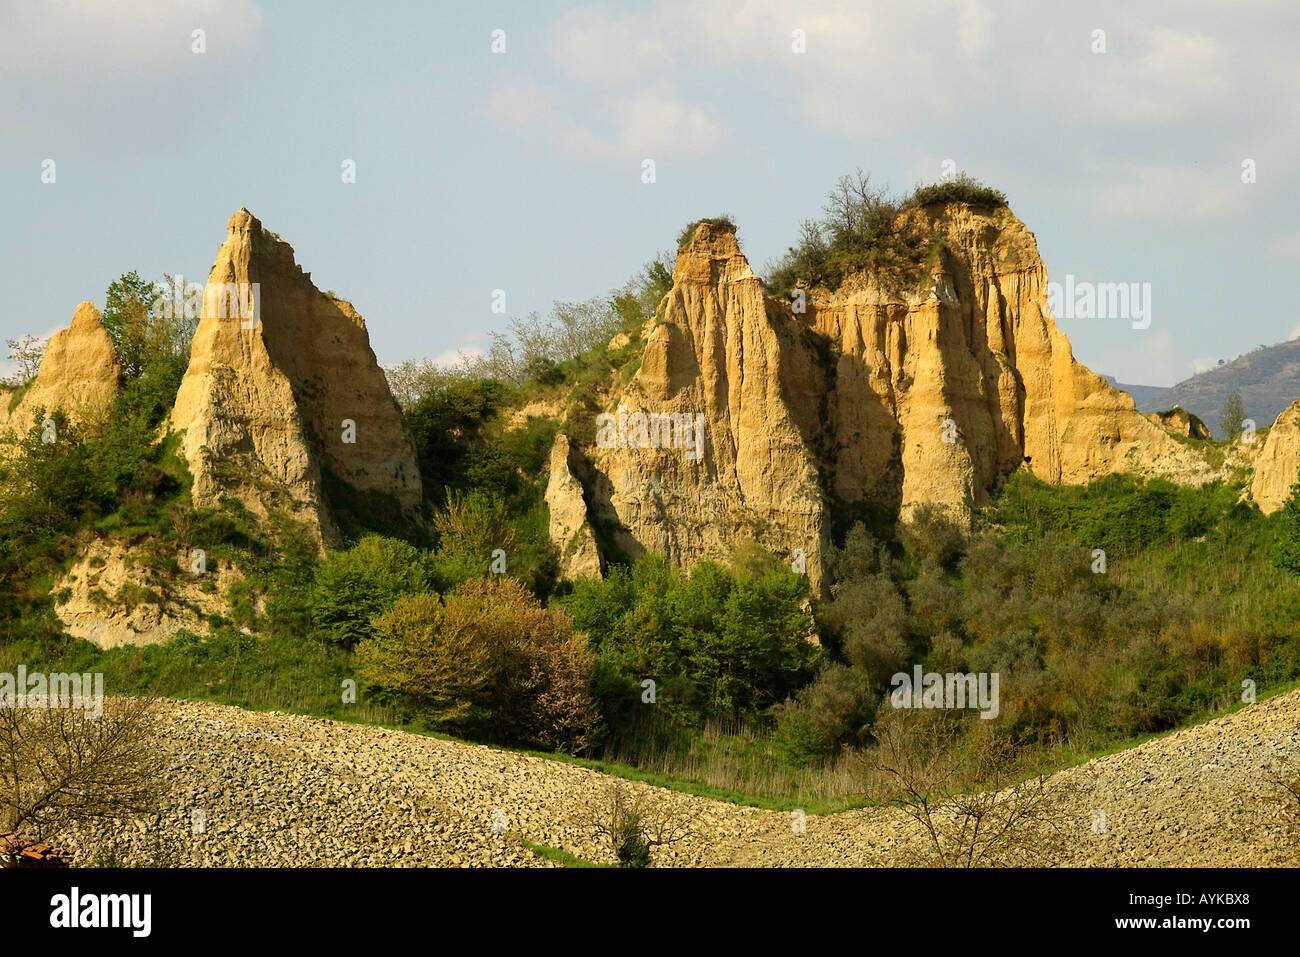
(283, 390)
(80, 374)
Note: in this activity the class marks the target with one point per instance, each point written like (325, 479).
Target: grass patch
(557, 854)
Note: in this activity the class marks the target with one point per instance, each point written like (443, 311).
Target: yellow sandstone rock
(892, 392)
(1278, 466)
(569, 528)
(283, 388)
(79, 375)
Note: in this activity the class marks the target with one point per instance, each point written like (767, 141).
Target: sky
(502, 146)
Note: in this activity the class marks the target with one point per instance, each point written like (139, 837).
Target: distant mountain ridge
(1268, 380)
(1143, 395)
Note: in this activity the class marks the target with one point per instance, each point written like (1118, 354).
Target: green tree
(447, 422)
(470, 529)
(149, 338)
(717, 642)
(437, 655)
(352, 587)
(1232, 417)
(489, 660)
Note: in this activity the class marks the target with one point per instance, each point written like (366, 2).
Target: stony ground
(283, 790)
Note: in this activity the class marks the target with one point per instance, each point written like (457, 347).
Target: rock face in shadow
(283, 393)
(894, 392)
(1278, 466)
(80, 376)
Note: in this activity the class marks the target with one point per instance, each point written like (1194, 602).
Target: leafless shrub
(59, 769)
(26, 353)
(632, 822)
(966, 787)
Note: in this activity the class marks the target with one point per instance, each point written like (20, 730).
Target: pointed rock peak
(289, 398)
(248, 244)
(86, 338)
(708, 251)
(79, 372)
(86, 319)
(1279, 461)
(243, 221)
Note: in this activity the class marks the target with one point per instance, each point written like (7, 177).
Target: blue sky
(522, 171)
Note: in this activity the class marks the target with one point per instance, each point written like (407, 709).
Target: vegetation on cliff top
(688, 232)
(861, 231)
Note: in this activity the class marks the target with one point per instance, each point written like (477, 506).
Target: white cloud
(1176, 192)
(974, 26)
(592, 46)
(1152, 360)
(653, 123)
(873, 67)
(1151, 74)
(648, 124)
(457, 357)
(100, 67)
(134, 36)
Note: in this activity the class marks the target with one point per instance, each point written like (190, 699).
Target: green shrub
(861, 231)
(1286, 550)
(961, 188)
(717, 642)
(487, 660)
(352, 587)
(800, 740)
(688, 231)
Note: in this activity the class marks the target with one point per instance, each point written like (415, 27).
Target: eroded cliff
(1278, 466)
(283, 393)
(895, 391)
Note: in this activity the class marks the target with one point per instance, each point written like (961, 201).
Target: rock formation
(283, 393)
(724, 457)
(569, 529)
(887, 394)
(974, 351)
(79, 376)
(111, 599)
(1178, 421)
(1278, 466)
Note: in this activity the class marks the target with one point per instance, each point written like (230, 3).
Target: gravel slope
(283, 790)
